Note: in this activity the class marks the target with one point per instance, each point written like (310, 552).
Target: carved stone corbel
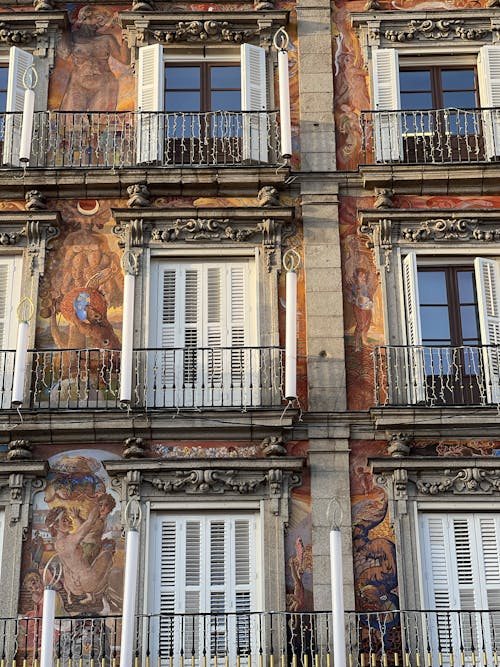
(399, 444)
(379, 235)
(134, 448)
(16, 496)
(20, 450)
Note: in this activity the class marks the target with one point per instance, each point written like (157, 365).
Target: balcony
(373, 639)
(175, 378)
(438, 136)
(120, 140)
(433, 376)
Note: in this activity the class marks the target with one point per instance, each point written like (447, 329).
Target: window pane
(435, 323)
(466, 291)
(460, 100)
(225, 76)
(182, 101)
(468, 318)
(3, 101)
(458, 79)
(416, 100)
(4, 75)
(228, 100)
(182, 77)
(415, 80)
(432, 287)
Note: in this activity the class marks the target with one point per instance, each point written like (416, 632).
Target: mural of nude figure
(92, 84)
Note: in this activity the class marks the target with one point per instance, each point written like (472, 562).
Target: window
(434, 115)
(453, 326)
(204, 567)
(13, 98)
(198, 107)
(461, 571)
(203, 334)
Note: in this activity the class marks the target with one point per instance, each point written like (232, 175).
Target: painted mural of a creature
(375, 561)
(85, 310)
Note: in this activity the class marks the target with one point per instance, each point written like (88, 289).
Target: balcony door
(430, 113)
(437, 123)
(203, 587)
(453, 319)
(461, 575)
(199, 112)
(203, 327)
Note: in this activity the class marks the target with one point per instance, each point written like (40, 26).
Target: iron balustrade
(436, 136)
(437, 376)
(430, 638)
(121, 139)
(177, 378)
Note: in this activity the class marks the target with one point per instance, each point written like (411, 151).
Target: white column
(20, 363)
(284, 88)
(291, 336)
(27, 125)
(48, 614)
(129, 598)
(337, 582)
(127, 354)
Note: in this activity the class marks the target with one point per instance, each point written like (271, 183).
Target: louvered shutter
(19, 61)
(388, 138)
(488, 296)
(10, 291)
(488, 70)
(203, 311)
(254, 98)
(415, 357)
(462, 572)
(206, 569)
(150, 98)
(2, 524)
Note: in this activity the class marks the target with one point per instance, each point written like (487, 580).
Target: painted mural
(374, 551)
(363, 321)
(76, 528)
(298, 541)
(92, 68)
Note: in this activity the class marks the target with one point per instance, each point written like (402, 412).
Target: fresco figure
(81, 578)
(360, 294)
(92, 85)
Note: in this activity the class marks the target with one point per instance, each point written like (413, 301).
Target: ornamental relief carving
(449, 230)
(202, 31)
(463, 481)
(436, 29)
(208, 481)
(17, 37)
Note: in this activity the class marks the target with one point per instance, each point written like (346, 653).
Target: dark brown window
(438, 88)
(202, 87)
(448, 306)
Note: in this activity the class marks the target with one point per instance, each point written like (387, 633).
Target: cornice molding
(385, 228)
(403, 29)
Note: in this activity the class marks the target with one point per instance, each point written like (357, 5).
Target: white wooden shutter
(488, 296)
(416, 355)
(203, 310)
(254, 98)
(19, 61)
(2, 527)
(150, 97)
(203, 564)
(10, 292)
(488, 70)
(388, 138)
(461, 570)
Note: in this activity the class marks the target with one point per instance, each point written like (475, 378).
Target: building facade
(151, 213)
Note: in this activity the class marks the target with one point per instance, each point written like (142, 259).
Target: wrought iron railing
(65, 139)
(177, 378)
(434, 136)
(430, 638)
(437, 376)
